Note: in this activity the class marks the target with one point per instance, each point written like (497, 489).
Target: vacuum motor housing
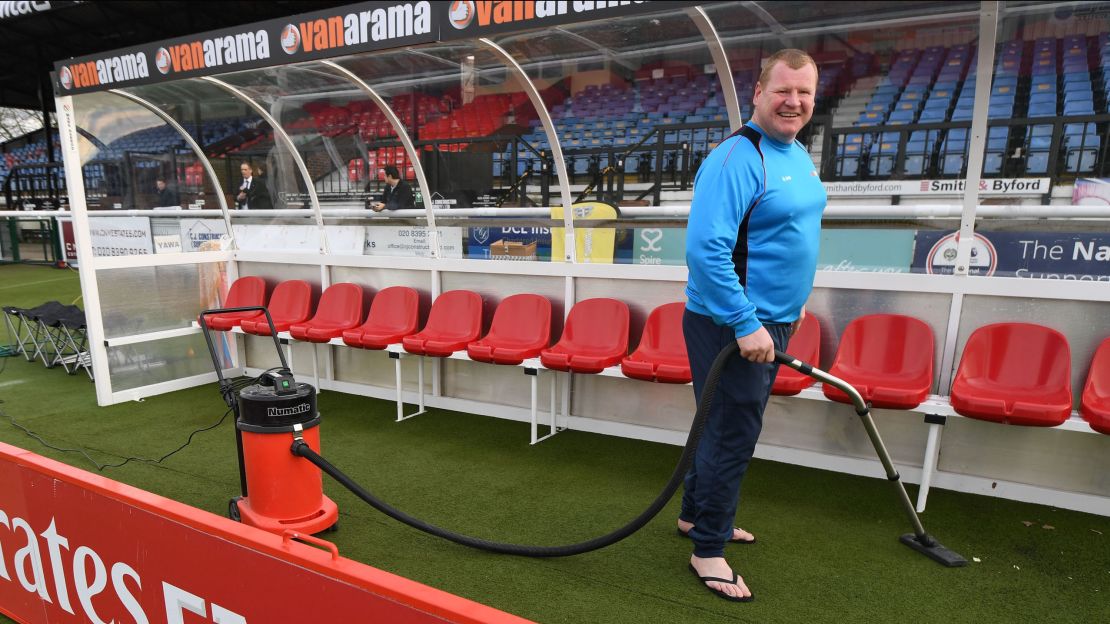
(284, 492)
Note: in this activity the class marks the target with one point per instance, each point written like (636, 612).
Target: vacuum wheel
(233, 509)
(333, 528)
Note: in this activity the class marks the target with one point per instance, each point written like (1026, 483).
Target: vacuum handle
(812, 371)
(212, 348)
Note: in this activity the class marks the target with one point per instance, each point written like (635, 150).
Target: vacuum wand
(919, 540)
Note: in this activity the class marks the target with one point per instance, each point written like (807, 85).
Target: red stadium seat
(521, 328)
(806, 346)
(595, 337)
(245, 292)
(661, 355)
(454, 322)
(290, 303)
(394, 314)
(1095, 405)
(888, 358)
(340, 309)
(1016, 373)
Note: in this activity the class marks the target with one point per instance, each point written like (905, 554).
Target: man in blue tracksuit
(751, 247)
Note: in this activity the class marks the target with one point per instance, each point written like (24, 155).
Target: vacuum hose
(302, 449)
(919, 540)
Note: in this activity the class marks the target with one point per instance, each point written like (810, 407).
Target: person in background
(252, 192)
(397, 195)
(751, 248)
(167, 195)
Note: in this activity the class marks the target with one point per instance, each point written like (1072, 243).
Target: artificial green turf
(827, 550)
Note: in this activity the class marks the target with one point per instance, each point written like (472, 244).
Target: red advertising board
(77, 547)
(68, 242)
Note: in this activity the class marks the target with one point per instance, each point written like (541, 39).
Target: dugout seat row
(1014, 373)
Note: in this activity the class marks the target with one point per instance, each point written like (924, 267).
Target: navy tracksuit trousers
(731, 431)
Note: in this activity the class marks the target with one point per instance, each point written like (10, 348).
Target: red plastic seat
(521, 328)
(806, 346)
(290, 303)
(340, 309)
(1095, 405)
(888, 358)
(454, 322)
(595, 337)
(661, 355)
(394, 314)
(1016, 373)
(244, 292)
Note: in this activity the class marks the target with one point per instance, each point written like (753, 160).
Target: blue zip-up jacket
(753, 233)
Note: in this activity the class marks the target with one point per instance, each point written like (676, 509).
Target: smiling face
(784, 105)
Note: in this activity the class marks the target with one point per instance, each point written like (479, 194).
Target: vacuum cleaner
(919, 540)
(278, 491)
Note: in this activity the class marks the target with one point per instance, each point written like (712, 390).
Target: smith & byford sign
(992, 186)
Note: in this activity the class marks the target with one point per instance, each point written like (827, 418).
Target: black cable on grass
(101, 467)
(229, 391)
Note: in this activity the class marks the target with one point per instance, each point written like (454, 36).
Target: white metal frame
(957, 286)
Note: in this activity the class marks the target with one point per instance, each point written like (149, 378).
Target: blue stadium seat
(1037, 150)
(1043, 109)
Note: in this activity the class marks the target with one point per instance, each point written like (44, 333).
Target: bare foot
(717, 567)
(738, 534)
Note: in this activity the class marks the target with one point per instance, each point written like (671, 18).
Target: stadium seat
(805, 346)
(521, 328)
(595, 337)
(888, 358)
(394, 314)
(1016, 373)
(1095, 404)
(290, 303)
(244, 292)
(454, 321)
(340, 309)
(661, 354)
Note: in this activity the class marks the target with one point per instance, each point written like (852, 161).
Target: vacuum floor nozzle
(933, 550)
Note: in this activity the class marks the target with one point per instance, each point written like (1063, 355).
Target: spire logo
(290, 39)
(461, 14)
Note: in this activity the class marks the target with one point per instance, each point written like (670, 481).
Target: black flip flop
(731, 541)
(735, 578)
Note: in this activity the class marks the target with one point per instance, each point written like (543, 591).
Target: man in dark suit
(167, 195)
(397, 195)
(252, 192)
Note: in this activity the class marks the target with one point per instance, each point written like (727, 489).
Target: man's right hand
(757, 346)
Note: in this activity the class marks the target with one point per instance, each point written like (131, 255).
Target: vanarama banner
(478, 18)
(339, 31)
(321, 34)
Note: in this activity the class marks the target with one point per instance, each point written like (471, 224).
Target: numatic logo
(405, 19)
(278, 412)
(241, 47)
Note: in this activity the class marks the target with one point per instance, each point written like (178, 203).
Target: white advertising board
(196, 232)
(389, 240)
(120, 236)
(990, 186)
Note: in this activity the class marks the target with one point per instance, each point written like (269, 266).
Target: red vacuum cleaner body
(282, 491)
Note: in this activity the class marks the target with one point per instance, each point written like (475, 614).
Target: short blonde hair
(794, 59)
